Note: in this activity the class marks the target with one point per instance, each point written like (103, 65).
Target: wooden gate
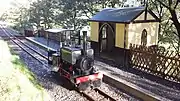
(156, 61)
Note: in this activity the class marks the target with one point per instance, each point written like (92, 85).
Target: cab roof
(57, 30)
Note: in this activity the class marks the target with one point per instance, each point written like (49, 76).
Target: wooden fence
(156, 61)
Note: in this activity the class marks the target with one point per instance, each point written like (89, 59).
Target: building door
(104, 39)
(107, 37)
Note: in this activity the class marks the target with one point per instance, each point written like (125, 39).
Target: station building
(113, 29)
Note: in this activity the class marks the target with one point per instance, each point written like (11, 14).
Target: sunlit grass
(18, 64)
(17, 83)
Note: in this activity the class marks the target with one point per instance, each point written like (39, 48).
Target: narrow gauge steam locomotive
(76, 63)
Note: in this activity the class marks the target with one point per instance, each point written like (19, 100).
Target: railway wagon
(113, 29)
(28, 33)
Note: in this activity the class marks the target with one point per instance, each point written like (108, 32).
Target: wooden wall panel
(119, 39)
(94, 36)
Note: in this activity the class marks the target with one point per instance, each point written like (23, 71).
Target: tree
(4, 16)
(20, 18)
(172, 27)
(65, 13)
(42, 13)
(35, 14)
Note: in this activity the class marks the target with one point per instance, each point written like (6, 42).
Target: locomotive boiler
(76, 63)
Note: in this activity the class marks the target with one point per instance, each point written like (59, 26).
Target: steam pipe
(79, 38)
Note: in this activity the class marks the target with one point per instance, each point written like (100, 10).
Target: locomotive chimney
(85, 42)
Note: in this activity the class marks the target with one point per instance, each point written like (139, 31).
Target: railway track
(32, 52)
(96, 95)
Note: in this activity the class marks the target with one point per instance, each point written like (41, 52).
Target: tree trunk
(175, 21)
(179, 47)
(177, 25)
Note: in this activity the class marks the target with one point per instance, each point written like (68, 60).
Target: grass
(17, 83)
(19, 65)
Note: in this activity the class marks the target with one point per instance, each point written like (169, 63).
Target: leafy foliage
(62, 13)
(169, 31)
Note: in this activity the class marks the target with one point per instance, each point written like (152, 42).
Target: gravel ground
(2, 33)
(116, 93)
(96, 95)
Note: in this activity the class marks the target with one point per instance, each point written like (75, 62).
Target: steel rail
(27, 46)
(11, 38)
(86, 95)
(90, 98)
(104, 94)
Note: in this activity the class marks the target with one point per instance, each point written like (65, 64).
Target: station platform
(146, 87)
(42, 42)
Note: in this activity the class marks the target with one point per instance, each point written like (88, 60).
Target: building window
(144, 37)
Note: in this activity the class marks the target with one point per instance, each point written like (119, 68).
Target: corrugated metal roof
(122, 15)
(57, 30)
